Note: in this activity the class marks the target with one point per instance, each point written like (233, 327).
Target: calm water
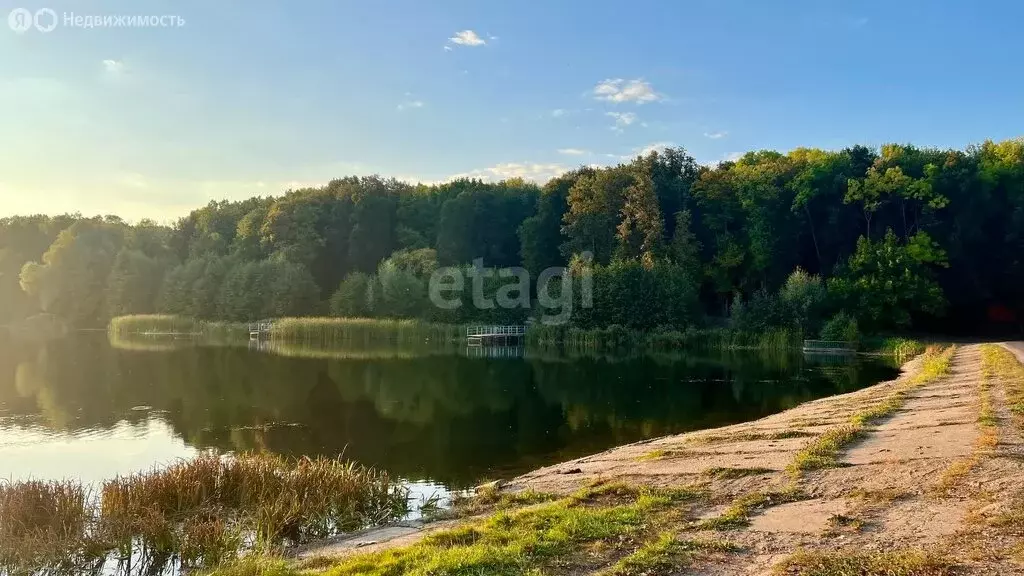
(84, 408)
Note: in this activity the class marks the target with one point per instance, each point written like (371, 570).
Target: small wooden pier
(830, 347)
(261, 329)
(495, 335)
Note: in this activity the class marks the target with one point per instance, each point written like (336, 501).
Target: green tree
(884, 282)
(72, 277)
(134, 283)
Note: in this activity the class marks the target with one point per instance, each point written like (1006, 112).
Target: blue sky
(253, 97)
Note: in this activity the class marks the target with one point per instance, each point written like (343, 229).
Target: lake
(86, 408)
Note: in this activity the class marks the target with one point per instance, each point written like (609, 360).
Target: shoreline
(934, 464)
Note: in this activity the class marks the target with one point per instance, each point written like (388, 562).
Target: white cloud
(733, 156)
(557, 113)
(573, 151)
(448, 48)
(411, 104)
(467, 38)
(618, 90)
(716, 135)
(622, 119)
(645, 150)
(537, 172)
(113, 66)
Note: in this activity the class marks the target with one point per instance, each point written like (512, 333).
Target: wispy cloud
(113, 67)
(859, 22)
(411, 104)
(622, 119)
(448, 48)
(618, 90)
(716, 135)
(467, 38)
(528, 171)
(557, 113)
(573, 151)
(732, 156)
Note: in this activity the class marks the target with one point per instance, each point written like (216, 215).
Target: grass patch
(735, 473)
(737, 515)
(906, 563)
(1000, 363)
(661, 454)
(665, 554)
(527, 540)
(824, 451)
(753, 436)
(840, 522)
(492, 498)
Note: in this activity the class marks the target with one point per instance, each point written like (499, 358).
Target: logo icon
(45, 20)
(21, 19)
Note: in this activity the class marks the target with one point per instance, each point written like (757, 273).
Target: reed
(274, 500)
(170, 325)
(897, 347)
(617, 338)
(326, 331)
(194, 513)
(46, 525)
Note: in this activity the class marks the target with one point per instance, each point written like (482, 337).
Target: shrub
(841, 327)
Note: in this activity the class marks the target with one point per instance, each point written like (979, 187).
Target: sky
(254, 97)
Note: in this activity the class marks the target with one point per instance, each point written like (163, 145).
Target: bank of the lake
(917, 476)
(330, 332)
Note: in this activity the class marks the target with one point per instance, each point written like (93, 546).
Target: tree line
(894, 238)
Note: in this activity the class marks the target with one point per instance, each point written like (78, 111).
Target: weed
(734, 473)
(905, 563)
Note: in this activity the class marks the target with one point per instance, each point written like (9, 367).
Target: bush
(841, 327)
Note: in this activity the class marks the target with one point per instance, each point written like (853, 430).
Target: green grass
(898, 347)
(665, 555)
(737, 515)
(824, 451)
(166, 324)
(753, 436)
(363, 331)
(903, 563)
(524, 541)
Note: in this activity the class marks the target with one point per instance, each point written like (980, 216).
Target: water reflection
(80, 406)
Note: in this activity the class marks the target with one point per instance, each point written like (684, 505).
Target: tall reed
(46, 525)
(194, 513)
(363, 331)
(170, 325)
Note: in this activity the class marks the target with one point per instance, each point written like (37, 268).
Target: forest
(894, 239)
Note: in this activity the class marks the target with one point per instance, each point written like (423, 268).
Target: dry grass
(904, 563)
(722, 473)
(46, 525)
(198, 512)
(752, 436)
